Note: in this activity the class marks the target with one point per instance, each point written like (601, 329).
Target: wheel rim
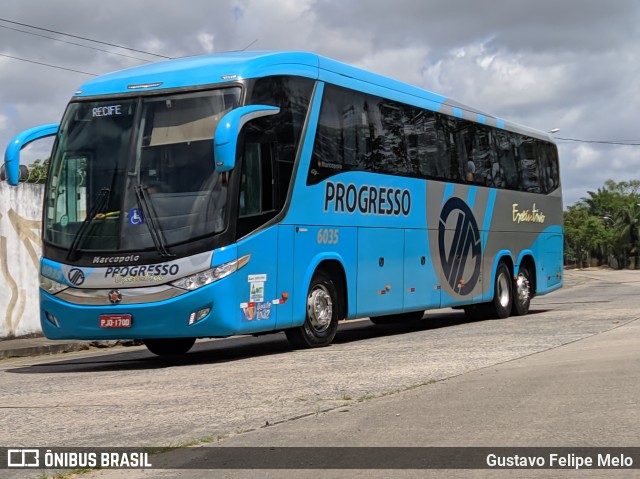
(523, 288)
(319, 308)
(503, 290)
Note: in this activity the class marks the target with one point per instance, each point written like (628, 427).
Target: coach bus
(254, 192)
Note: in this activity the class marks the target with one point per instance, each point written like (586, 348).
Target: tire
(500, 306)
(502, 293)
(323, 310)
(402, 318)
(522, 292)
(169, 346)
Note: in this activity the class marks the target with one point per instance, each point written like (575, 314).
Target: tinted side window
(367, 133)
(505, 174)
(548, 155)
(527, 162)
(292, 95)
(483, 154)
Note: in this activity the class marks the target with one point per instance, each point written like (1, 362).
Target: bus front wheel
(322, 311)
(169, 346)
(500, 306)
(502, 296)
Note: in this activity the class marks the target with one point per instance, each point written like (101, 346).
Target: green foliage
(38, 171)
(605, 226)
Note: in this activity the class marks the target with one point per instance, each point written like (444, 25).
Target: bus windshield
(124, 171)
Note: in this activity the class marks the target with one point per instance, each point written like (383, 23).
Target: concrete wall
(20, 250)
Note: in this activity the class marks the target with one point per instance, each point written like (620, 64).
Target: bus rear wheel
(321, 320)
(169, 346)
(522, 292)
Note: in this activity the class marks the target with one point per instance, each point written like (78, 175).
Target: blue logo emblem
(461, 261)
(76, 276)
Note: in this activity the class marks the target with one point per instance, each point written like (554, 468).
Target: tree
(614, 205)
(585, 235)
(628, 229)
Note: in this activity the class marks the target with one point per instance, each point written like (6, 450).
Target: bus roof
(233, 66)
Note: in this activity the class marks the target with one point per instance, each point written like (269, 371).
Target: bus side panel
(528, 222)
(286, 238)
(549, 265)
(257, 313)
(459, 217)
(421, 285)
(380, 271)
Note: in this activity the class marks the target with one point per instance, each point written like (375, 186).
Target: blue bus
(255, 192)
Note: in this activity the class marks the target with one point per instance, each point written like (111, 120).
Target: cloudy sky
(568, 64)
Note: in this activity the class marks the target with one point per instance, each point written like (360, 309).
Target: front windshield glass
(108, 150)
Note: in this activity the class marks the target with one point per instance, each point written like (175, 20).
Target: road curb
(42, 349)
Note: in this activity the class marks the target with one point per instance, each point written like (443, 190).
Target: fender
(523, 253)
(300, 295)
(488, 294)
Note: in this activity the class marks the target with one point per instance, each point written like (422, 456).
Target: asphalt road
(445, 382)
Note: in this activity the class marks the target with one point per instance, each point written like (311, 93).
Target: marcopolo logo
(461, 256)
(76, 276)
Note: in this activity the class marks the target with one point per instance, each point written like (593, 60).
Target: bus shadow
(240, 348)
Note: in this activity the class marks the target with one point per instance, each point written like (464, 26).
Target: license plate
(115, 321)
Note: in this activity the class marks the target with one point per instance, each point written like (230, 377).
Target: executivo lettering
(534, 215)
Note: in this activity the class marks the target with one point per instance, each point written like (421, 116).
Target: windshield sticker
(135, 217)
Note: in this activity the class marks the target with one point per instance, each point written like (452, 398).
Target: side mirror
(12, 153)
(226, 136)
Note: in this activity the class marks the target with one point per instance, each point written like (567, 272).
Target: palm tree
(628, 228)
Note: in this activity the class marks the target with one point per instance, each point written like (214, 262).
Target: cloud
(571, 65)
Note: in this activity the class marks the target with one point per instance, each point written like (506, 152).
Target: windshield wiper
(150, 214)
(101, 201)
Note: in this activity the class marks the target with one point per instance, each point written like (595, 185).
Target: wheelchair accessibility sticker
(135, 217)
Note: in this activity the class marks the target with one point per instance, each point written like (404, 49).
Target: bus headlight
(51, 286)
(212, 275)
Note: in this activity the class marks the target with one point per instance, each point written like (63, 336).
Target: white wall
(20, 250)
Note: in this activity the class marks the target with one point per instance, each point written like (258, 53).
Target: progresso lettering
(145, 271)
(367, 200)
